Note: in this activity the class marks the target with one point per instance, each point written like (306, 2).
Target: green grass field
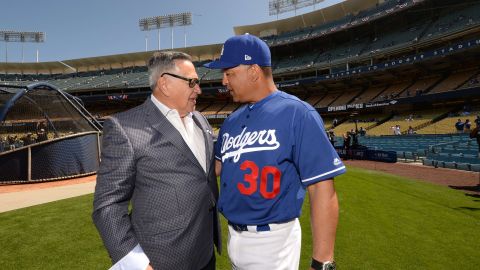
(386, 222)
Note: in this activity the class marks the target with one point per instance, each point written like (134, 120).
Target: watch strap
(328, 265)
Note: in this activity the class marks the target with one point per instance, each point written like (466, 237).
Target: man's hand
(218, 167)
(149, 267)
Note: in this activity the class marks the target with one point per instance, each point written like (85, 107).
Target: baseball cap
(242, 50)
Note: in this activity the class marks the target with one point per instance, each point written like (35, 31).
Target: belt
(257, 228)
(243, 227)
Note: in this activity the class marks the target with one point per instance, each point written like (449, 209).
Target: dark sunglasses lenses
(193, 82)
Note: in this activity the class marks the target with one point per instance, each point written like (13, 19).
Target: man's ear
(254, 72)
(163, 86)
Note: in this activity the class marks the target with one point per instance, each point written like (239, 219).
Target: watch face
(329, 266)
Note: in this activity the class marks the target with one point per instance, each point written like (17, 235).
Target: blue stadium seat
(475, 167)
(463, 166)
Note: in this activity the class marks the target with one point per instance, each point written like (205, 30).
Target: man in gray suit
(158, 158)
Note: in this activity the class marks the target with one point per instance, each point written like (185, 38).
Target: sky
(89, 28)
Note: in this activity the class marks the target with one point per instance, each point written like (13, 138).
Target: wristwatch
(328, 265)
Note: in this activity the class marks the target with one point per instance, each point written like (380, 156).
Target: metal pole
(159, 39)
(146, 43)
(185, 35)
(6, 52)
(29, 164)
(22, 53)
(172, 37)
(37, 55)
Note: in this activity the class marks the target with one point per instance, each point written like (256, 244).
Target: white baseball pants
(277, 249)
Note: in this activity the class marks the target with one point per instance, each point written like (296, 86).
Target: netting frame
(83, 148)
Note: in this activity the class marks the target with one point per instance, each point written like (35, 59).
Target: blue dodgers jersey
(270, 152)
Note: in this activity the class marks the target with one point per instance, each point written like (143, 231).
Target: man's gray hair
(163, 62)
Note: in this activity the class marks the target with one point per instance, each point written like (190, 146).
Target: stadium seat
(475, 167)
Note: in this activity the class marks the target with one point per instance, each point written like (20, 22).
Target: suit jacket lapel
(207, 135)
(161, 124)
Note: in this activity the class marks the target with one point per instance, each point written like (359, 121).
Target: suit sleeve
(114, 188)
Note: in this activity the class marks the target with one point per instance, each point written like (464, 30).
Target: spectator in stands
(42, 135)
(18, 143)
(477, 121)
(396, 130)
(353, 138)
(410, 130)
(459, 126)
(11, 142)
(467, 126)
(28, 139)
(347, 141)
(41, 125)
(335, 122)
(331, 136)
(362, 131)
(3, 144)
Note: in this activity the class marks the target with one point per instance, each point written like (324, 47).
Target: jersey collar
(258, 104)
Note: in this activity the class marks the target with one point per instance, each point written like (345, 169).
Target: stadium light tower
(166, 21)
(16, 36)
(277, 7)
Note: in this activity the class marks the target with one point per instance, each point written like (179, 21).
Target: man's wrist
(328, 265)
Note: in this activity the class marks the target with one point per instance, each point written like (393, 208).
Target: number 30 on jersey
(250, 180)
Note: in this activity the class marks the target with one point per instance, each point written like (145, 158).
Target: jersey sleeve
(314, 155)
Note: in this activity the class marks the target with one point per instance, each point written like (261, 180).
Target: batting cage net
(45, 134)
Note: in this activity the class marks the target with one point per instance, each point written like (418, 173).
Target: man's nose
(197, 89)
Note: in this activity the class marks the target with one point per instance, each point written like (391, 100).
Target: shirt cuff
(134, 260)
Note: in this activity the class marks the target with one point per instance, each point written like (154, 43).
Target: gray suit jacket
(173, 214)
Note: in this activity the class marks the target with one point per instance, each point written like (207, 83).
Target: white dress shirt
(193, 137)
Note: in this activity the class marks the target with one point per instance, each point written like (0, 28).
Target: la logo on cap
(247, 57)
(221, 53)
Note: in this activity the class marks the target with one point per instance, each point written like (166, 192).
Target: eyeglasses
(191, 81)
